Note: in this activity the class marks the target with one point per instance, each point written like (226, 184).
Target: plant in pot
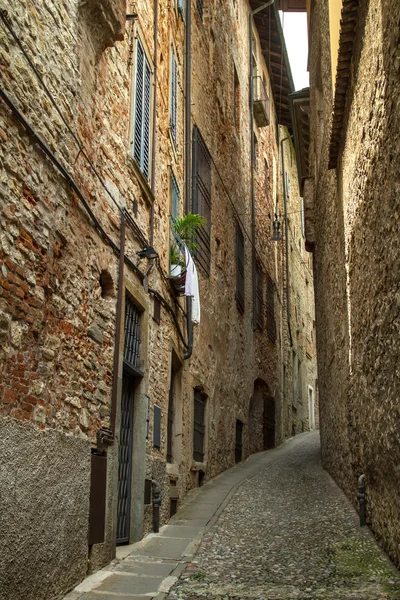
(184, 229)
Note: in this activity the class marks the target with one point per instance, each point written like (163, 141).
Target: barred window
(239, 268)
(201, 198)
(142, 106)
(131, 333)
(271, 325)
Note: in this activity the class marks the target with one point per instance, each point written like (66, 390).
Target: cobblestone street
(289, 533)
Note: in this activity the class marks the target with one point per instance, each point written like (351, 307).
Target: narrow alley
(275, 527)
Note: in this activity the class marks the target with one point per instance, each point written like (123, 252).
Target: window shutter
(157, 427)
(199, 427)
(174, 197)
(201, 198)
(141, 126)
(174, 98)
(239, 268)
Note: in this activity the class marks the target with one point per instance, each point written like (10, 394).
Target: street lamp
(276, 235)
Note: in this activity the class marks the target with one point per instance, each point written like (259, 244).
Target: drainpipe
(289, 137)
(188, 101)
(253, 222)
(118, 322)
(153, 142)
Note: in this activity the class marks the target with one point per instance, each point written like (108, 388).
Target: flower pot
(175, 270)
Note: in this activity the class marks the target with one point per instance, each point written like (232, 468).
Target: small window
(201, 194)
(200, 8)
(141, 112)
(271, 325)
(199, 425)
(236, 100)
(173, 118)
(259, 298)
(239, 268)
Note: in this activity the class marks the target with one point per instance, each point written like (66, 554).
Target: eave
(300, 111)
(268, 25)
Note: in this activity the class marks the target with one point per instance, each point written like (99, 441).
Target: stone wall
(59, 258)
(356, 264)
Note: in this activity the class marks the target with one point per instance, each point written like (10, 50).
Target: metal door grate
(125, 460)
(132, 333)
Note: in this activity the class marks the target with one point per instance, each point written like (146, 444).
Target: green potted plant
(184, 229)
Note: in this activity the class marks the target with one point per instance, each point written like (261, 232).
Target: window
(239, 268)
(142, 105)
(239, 441)
(199, 425)
(170, 421)
(271, 325)
(131, 333)
(157, 427)
(175, 195)
(200, 7)
(236, 100)
(259, 298)
(201, 194)
(173, 118)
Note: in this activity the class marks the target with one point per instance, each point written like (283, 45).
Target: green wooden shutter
(141, 125)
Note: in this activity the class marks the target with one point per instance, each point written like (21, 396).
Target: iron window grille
(199, 427)
(271, 326)
(239, 441)
(132, 333)
(201, 198)
(239, 268)
(173, 121)
(259, 298)
(200, 8)
(142, 107)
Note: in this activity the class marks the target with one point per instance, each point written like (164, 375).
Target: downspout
(188, 97)
(118, 322)
(154, 137)
(289, 137)
(252, 162)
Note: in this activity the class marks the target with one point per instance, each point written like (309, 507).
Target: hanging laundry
(192, 286)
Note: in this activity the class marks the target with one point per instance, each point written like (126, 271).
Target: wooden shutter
(174, 99)
(239, 268)
(175, 195)
(201, 198)
(141, 125)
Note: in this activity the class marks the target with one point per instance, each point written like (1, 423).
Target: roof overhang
(268, 25)
(300, 111)
(292, 5)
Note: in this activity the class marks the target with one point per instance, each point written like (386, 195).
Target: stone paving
(289, 533)
(275, 527)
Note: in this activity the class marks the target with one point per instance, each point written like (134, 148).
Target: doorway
(311, 409)
(269, 422)
(125, 459)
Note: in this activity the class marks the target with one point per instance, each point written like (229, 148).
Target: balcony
(261, 107)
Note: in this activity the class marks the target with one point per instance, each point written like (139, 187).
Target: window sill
(198, 466)
(143, 183)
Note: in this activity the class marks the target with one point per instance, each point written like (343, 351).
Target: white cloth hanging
(192, 286)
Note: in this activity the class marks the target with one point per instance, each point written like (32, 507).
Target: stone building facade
(353, 200)
(114, 117)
